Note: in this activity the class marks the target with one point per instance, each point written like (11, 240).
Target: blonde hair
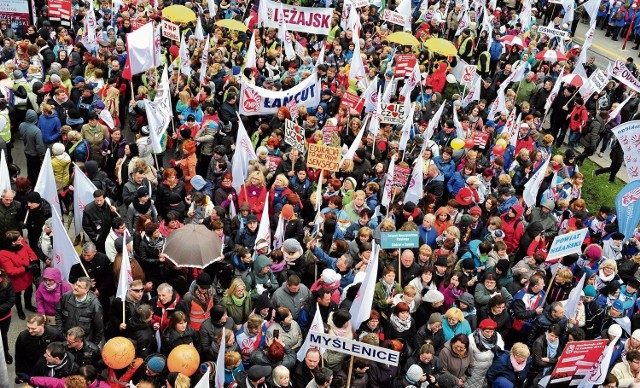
(520, 350)
(184, 97)
(409, 290)
(284, 179)
(454, 313)
(182, 381)
(359, 193)
(609, 263)
(259, 175)
(235, 284)
(387, 225)
(504, 179)
(558, 159)
(564, 275)
(453, 231)
(74, 136)
(231, 358)
(47, 109)
(347, 166)
(279, 372)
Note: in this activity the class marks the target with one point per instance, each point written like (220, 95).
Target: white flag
(219, 361)
(571, 307)
(617, 111)
(250, 55)
(141, 49)
(413, 80)
(388, 184)
(204, 380)
(370, 96)
(321, 55)
(278, 235)
(406, 128)
(569, 11)
(474, 92)
(515, 130)
(64, 254)
(456, 122)
(232, 210)
(185, 58)
(204, 61)
(285, 37)
(198, 33)
(243, 154)
(433, 123)
(525, 16)
(105, 116)
(533, 185)
(498, 105)
(356, 142)
(5, 180)
(389, 90)
(374, 125)
(124, 278)
(353, 24)
(264, 230)
(554, 92)
(46, 185)
(404, 9)
(89, 37)
(83, 190)
(316, 325)
(414, 191)
(211, 4)
(356, 70)
(591, 7)
(361, 306)
(159, 113)
(157, 37)
(599, 371)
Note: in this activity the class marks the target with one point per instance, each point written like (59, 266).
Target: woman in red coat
(15, 258)
(254, 191)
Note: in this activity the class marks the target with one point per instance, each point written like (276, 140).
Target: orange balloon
(118, 353)
(184, 359)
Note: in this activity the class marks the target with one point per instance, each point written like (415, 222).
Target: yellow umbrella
(232, 24)
(179, 14)
(441, 46)
(403, 38)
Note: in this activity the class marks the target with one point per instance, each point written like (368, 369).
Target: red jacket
(15, 264)
(256, 202)
(513, 229)
(579, 117)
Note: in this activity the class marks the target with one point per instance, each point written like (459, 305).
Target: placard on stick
(324, 158)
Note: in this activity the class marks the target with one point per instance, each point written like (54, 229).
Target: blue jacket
(347, 278)
(447, 168)
(473, 253)
(456, 183)
(50, 127)
(508, 204)
(605, 12)
(502, 367)
(428, 236)
(495, 50)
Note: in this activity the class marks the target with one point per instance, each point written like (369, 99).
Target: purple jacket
(52, 382)
(46, 300)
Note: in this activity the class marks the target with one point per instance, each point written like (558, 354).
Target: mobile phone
(276, 333)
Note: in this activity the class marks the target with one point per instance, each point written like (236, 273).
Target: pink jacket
(52, 382)
(46, 300)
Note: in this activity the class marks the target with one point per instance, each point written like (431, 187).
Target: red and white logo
(251, 100)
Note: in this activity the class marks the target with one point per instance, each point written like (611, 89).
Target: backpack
(109, 187)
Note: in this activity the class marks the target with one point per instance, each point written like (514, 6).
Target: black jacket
(170, 199)
(68, 367)
(302, 375)
(29, 349)
(89, 355)
(143, 336)
(99, 269)
(96, 223)
(86, 314)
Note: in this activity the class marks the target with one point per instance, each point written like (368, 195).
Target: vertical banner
(628, 134)
(627, 210)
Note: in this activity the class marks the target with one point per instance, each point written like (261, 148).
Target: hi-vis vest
(123, 381)
(5, 131)
(197, 315)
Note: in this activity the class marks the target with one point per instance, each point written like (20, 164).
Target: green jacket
(240, 314)
(380, 296)
(525, 90)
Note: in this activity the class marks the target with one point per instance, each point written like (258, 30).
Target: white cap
(615, 330)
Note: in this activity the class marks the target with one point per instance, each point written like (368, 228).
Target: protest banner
(323, 157)
(360, 3)
(354, 348)
(327, 133)
(553, 32)
(393, 114)
(575, 362)
(60, 11)
(628, 134)
(353, 102)
(469, 72)
(405, 64)
(393, 17)
(274, 161)
(294, 135)
(627, 211)
(293, 109)
(401, 175)
(16, 13)
(259, 101)
(599, 80)
(301, 19)
(397, 240)
(567, 244)
(622, 74)
(170, 31)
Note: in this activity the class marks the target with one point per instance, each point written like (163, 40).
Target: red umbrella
(551, 56)
(510, 40)
(573, 79)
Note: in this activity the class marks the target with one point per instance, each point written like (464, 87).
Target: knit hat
(593, 252)
(488, 323)
(142, 192)
(441, 261)
(330, 276)
(503, 265)
(198, 182)
(340, 318)
(252, 218)
(156, 364)
(257, 372)
(548, 204)
(414, 374)
(34, 197)
(409, 207)
(287, 211)
(57, 149)
(433, 296)
(55, 78)
(291, 245)
(435, 317)
(475, 211)
(464, 196)
(17, 74)
(353, 181)
(615, 330)
(401, 307)
(204, 280)
(590, 291)
(466, 220)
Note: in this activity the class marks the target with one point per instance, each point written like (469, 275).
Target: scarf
(238, 301)
(285, 327)
(516, 366)
(156, 243)
(204, 297)
(483, 343)
(48, 288)
(552, 348)
(54, 367)
(388, 288)
(400, 325)
(278, 267)
(141, 208)
(253, 191)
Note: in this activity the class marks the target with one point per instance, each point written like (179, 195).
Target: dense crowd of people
(476, 304)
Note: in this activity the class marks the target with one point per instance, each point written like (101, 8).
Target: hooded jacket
(47, 299)
(513, 229)
(50, 127)
(254, 278)
(438, 78)
(31, 135)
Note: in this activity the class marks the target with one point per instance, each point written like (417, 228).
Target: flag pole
(350, 372)
(123, 306)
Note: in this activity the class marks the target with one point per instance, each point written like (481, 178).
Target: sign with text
(405, 64)
(628, 134)
(622, 74)
(354, 348)
(553, 32)
(60, 10)
(15, 13)
(323, 157)
(327, 133)
(393, 17)
(398, 240)
(401, 175)
(301, 19)
(259, 101)
(274, 161)
(170, 31)
(576, 361)
(353, 102)
(393, 114)
(567, 244)
(294, 135)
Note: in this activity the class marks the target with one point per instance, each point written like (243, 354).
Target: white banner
(159, 113)
(623, 75)
(628, 134)
(567, 244)
(302, 19)
(553, 32)
(170, 31)
(394, 17)
(141, 46)
(354, 348)
(82, 196)
(260, 101)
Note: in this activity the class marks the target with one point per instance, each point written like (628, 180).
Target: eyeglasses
(137, 289)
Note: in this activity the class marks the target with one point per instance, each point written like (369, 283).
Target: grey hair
(76, 332)
(165, 287)
(89, 247)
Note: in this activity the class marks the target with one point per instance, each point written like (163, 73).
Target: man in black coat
(228, 114)
(97, 218)
(84, 351)
(305, 370)
(48, 57)
(33, 341)
(56, 362)
(98, 267)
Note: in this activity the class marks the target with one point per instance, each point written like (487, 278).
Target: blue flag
(628, 208)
